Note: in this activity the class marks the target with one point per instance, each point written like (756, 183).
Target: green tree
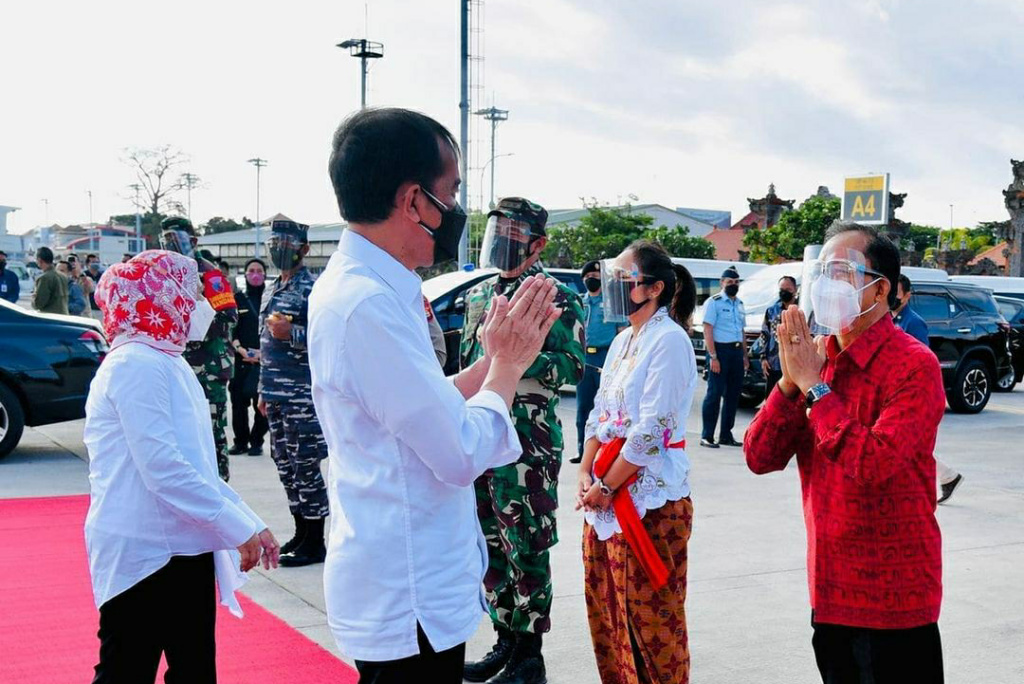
(605, 233)
(218, 224)
(150, 225)
(803, 226)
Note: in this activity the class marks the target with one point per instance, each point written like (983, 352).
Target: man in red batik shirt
(860, 409)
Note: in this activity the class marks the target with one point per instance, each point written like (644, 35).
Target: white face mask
(200, 321)
(837, 304)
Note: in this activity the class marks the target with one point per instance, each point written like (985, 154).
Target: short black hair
(590, 267)
(790, 279)
(90, 256)
(883, 255)
(375, 151)
(908, 286)
(3, 253)
(45, 254)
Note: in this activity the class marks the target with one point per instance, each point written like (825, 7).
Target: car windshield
(761, 290)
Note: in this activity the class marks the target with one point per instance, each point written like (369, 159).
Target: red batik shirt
(867, 471)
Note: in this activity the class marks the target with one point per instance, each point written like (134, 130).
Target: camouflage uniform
(296, 441)
(517, 503)
(213, 361)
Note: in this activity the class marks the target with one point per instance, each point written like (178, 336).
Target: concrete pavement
(747, 607)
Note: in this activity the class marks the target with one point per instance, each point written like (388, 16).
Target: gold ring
(795, 339)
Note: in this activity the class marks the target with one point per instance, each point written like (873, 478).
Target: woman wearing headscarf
(162, 529)
(244, 385)
(633, 481)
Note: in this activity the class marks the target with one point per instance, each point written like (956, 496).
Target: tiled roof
(993, 253)
(728, 243)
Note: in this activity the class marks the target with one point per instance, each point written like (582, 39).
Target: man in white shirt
(406, 557)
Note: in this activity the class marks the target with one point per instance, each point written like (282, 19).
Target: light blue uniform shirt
(727, 318)
(599, 333)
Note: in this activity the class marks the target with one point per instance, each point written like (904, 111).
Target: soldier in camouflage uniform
(212, 359)
(517, 503)
(286, 394)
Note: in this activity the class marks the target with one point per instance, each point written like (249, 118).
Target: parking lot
(747, 607)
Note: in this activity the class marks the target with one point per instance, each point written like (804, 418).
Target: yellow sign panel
(866, 199)
(868, 184)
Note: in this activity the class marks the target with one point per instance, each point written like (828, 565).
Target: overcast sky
(682, 103)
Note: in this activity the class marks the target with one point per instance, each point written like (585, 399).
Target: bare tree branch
(151, 166)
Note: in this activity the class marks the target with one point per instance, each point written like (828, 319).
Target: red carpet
(48, 621)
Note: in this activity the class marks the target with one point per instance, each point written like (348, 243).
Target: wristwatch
(816, 393)
(713, 357)
(605, 489)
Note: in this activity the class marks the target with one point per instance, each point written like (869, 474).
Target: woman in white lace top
(637, 507)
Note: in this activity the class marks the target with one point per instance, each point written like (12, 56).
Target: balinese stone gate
(1014, 233)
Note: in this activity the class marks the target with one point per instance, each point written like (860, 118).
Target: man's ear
(304, 250)
(538, 245)
(405, 202)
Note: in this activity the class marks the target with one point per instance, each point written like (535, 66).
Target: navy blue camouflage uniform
(296, 440)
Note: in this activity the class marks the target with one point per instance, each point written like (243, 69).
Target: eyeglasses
(841, 269)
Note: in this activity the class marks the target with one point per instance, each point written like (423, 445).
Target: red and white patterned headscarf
(149, 299)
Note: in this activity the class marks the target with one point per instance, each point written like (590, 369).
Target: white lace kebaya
(646, 391)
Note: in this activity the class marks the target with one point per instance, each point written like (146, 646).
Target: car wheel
(972, 388)
(12, 420)
(750, 401)
(1007, 383)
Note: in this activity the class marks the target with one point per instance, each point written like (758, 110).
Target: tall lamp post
(138, 217)
(259, 164)
(495, 116)
(364, 50)
(484, 170)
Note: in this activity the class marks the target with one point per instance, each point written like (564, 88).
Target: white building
(662, 215)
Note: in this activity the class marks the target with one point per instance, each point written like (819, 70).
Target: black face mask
(448, 234)
(619, 297)
(592, 284)
(507, 253)
(785, 296)
(732, 290)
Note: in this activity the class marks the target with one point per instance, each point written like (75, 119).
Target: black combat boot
(300, 532)
(491, 664)
(526, 666)
(310, 550)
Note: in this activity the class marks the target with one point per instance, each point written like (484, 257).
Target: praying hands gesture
(801, 355)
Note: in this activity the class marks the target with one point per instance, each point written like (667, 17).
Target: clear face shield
(284, 250)
(835, 282)
(177, 241)
(506, 244)
(618, 281)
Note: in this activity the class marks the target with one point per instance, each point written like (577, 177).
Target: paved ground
(747, 607)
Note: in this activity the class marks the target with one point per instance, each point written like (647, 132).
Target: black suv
(966, 331)
(970, 337)
(1013, 311)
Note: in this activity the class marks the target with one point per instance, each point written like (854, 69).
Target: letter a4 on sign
(866, 199)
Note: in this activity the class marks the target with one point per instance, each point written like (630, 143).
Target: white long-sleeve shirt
(153, 478)
(646, 391)
(405, 448)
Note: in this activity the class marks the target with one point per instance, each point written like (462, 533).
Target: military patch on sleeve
(218, 291)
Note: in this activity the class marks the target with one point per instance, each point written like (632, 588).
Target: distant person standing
(599, 336)
(80, 291)
(213, 357)
(771, 366)
(244, 386)
(286, 394)
(51, 295)
(93, 271)
(724, 317)
(911, 323)
(10, 287)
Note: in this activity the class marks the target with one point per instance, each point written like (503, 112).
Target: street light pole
(484, 170)
(464, 121)
(138, 217)
(363, 49)
(191, 181)
(495, 116)
(46, 211)
(259, 164)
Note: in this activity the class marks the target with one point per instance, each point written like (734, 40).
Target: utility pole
(259, 164)
(90, 207)
(364, 50)
(191, 180)
(46, 211)
(138, 210)
(464, 121)
(495, 116)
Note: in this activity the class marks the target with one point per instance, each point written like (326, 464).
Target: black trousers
(244, 437)
(171, 612)
(857, 655)
(429, 666)
(723, 392)
(586, 390)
